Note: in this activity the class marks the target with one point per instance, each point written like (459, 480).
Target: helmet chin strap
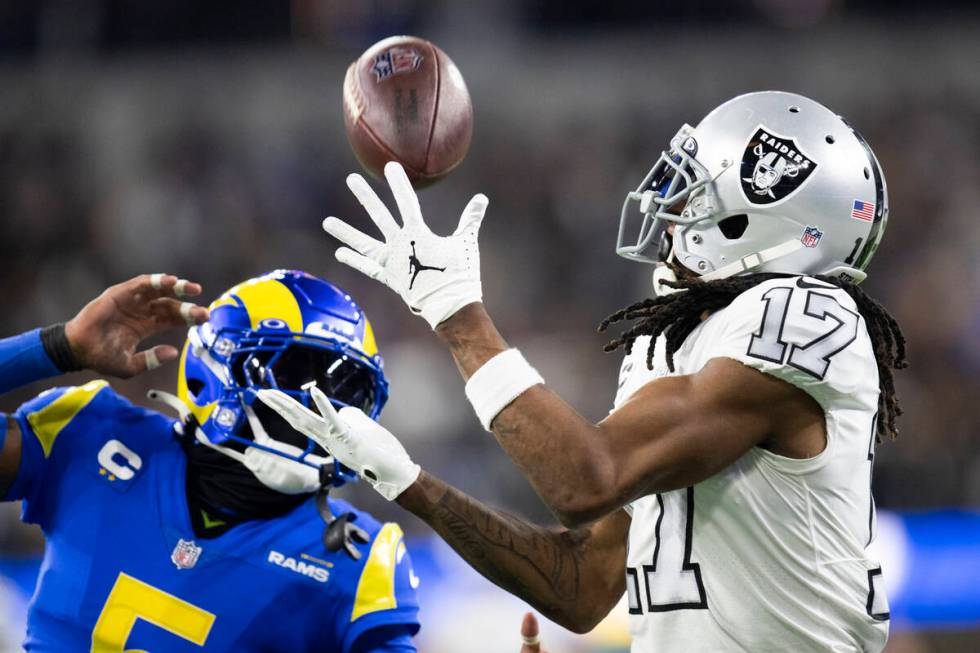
(273, 471)
(748, 263)
(284, 475)
(291, 477)
(754, 260)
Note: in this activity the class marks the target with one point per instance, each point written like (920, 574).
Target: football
(406, 101)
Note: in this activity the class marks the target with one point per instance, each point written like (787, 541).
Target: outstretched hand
(435, 275)
(351, 437)
(104, 335)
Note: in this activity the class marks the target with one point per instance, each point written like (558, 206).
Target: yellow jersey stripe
(376, 588)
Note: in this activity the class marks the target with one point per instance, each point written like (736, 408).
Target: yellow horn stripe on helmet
(201, 413)
(370, 344)
(264, 299)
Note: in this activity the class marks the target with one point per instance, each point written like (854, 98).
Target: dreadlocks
(677, 314)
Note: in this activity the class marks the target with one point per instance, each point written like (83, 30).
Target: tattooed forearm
(560, 452)
(542, 566)
(487, 535)
(573, 577)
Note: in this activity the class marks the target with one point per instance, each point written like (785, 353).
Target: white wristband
(498, 382)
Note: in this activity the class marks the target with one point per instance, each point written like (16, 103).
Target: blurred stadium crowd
(220, 164)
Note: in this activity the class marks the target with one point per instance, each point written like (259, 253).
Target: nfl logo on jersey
(185, 554)
(811, 236)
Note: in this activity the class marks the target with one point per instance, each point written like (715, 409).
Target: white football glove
(435, 275)
(351, 437)
(275, 472)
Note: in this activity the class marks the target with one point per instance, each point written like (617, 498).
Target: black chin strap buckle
(341, 532)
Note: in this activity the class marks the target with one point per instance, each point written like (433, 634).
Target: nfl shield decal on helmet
(395, 61)
(773, 168)
(185, 554)
(811, 236)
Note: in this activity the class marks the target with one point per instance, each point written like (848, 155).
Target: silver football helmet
(767, 182)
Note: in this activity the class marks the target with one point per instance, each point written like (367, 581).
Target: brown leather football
(406, 101)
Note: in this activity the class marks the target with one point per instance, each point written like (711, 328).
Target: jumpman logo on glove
(436, 297)
(415, 266)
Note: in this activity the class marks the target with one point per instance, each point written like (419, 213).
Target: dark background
(205, 139)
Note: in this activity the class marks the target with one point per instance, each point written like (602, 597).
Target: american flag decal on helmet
(395, 61)
(863, 211)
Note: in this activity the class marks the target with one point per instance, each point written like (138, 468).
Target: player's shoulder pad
(90, 410)
(54, 410)
(374, 590)
(803, 330)
(374, 581)
(384, 576)
(802, 285)
(791, 310)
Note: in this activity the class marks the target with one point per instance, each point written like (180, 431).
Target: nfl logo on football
(185, 554)
(811, 236)
(395, 61)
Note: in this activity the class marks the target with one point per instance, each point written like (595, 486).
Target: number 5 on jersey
(132, 599)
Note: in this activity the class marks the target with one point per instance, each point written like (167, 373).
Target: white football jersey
(768, 554)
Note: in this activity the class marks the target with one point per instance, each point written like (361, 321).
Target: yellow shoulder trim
(376, 588)
(48, 422)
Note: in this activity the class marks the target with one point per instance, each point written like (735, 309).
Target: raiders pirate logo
(773, 168)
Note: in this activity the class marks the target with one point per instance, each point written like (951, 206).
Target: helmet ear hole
(733, 227)
(194, 386)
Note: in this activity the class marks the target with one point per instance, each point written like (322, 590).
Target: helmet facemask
(676, 180)
(679, 190)
(246, 361)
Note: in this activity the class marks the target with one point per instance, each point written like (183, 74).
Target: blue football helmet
(286, 330)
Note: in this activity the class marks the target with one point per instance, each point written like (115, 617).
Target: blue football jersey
(122, 570)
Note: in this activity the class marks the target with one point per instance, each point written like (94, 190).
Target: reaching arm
(103, 337)
(673, 432)
(24, 359)
(573, 577)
